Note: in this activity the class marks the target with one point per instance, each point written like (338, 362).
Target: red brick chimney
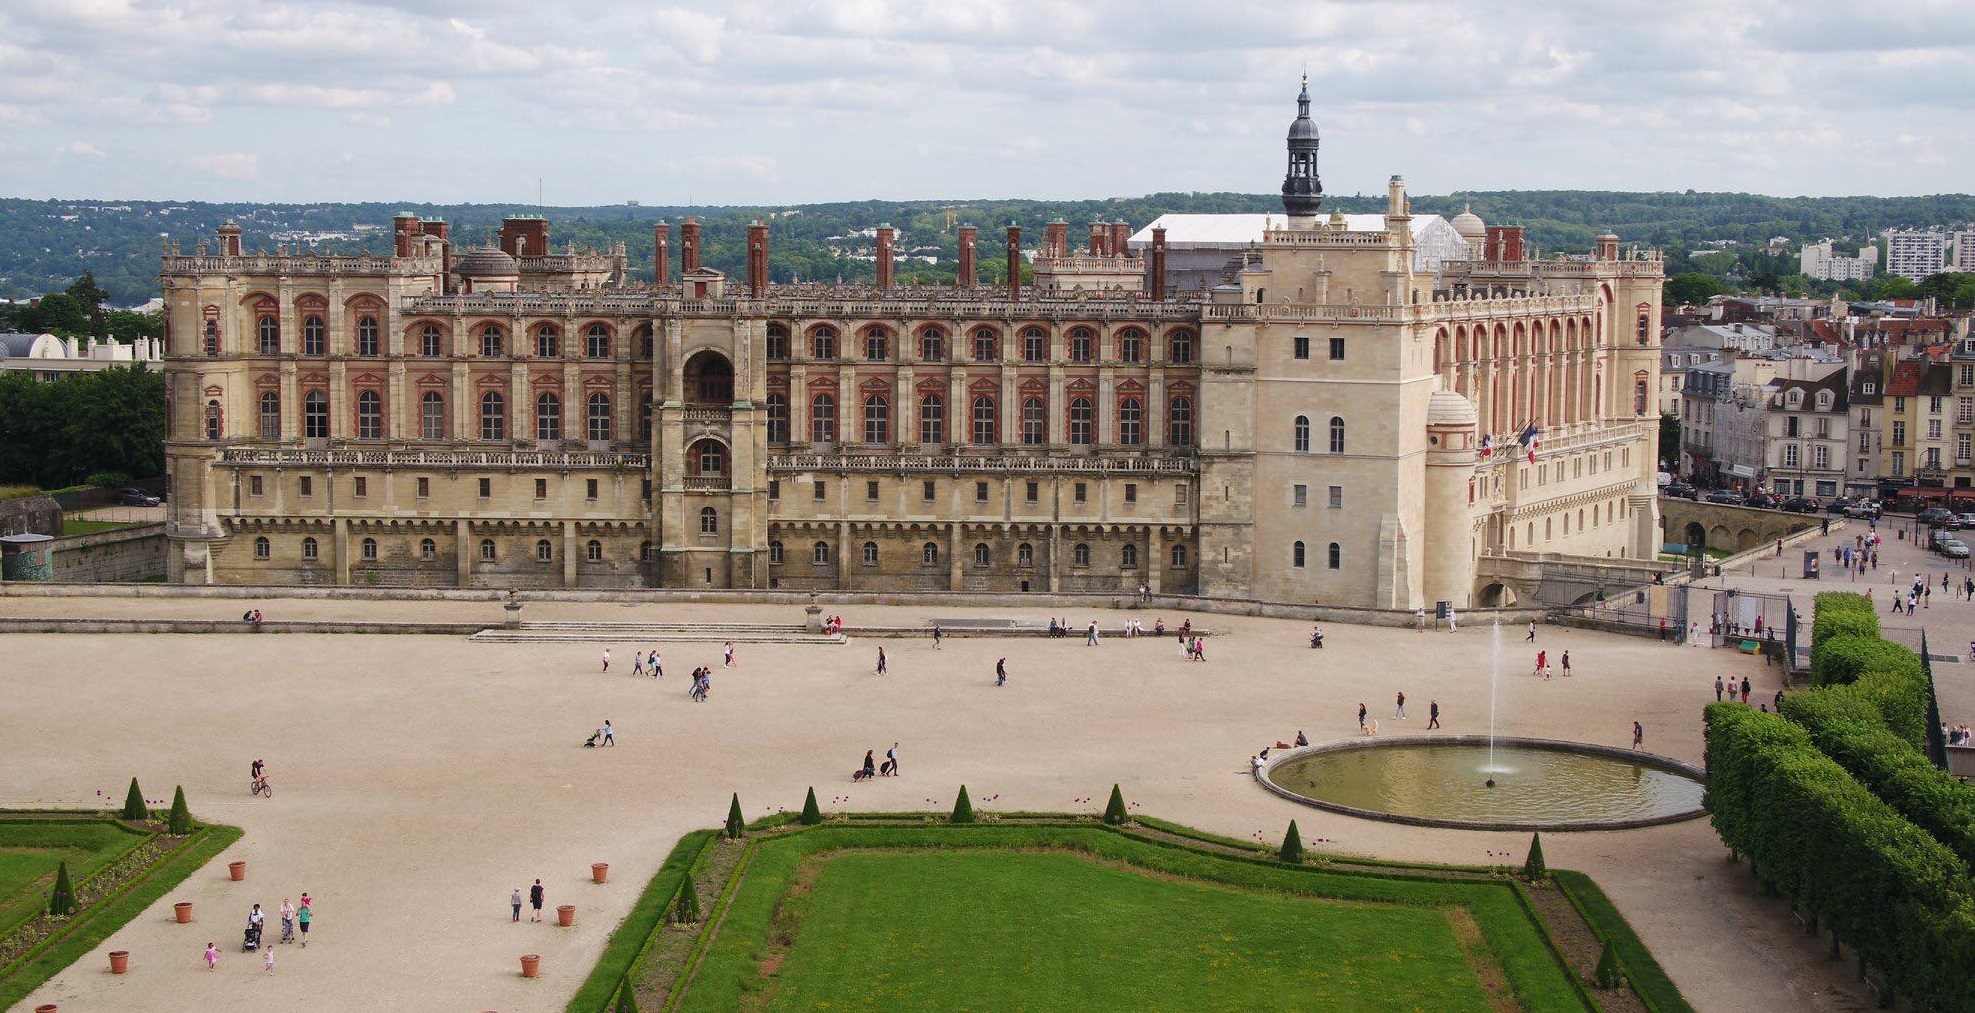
(885, 264)
(229, 239)
(688, 245)
(1014, 262)
(404, 235)
(968, 236)
(525, 236)
(1121, 234)
(1056, 239)
(661, 247)
(1512, 244)
(1099, 238)
(1156, 263)
(757, 259)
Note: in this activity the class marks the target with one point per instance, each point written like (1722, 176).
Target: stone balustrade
(954, 463)
(518, 459)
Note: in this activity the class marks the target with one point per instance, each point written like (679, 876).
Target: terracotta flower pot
(119, 961)
(599, 871)
(531, 964)
(565, 915)
(183, 912)
(46, 1007)
(238, 870)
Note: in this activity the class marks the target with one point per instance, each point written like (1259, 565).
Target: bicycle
(262, 787)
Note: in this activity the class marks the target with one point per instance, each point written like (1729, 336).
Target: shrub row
(1842, 614)
(1902, 899)
(1847, 728)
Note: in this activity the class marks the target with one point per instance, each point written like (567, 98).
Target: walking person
(891, 759)
(936, 636)
(1361, 715)
(1531, 637)
(1566, 664)
(870, 764)
(1399, 710)
(1001, 671)
(535, 900)
(609, 735)
(606, 659)
(637, 663)
(657, 670)
(287, 921)
(1432, 714)
(727, 651)
(1719, 685)
(1542, 661)
(304, 916)
(1090, 637)
(881, 661)
(1638, 735)
(514, 901)
(1745, 689)
(267, 955)
(212, 956)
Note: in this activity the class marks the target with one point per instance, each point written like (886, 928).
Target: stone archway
(709, 379)
(1496, 595)
(1696, 536)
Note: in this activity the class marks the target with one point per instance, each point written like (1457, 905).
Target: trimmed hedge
(1842, 614)
(1846, 659)
(1851, 731)
(1902, 899)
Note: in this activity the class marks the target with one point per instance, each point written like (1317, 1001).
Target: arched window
(1035, 422)
(645, 410)
(778, 343)
(270, 415)
(877, 419)
(263, 549)
(1080, 421)
(932, 345)
(823, 419)
(1128, 556)
(1080, 555)
(1301, 433)
(985, 428)
(493, 416)
(1131, 345)
(428, 549)
(596, 342)
(1296, 555)
(548, 342)
(315, 336)
(369, 548)
(1179, 421)
(1025, 555)
(1179, 557)
(548, 417)
(315, 415)
(367, 336)
(1336, 555)
(819, 554)
(432, 416)
(1639, 397)
(593, 551)
(778, 419)
(1131, 427)
(1081, 340)
(823, 343)
(982, 556)
(774, 553)
(870, 553)
(1336, 435)
(309, 550)
(877, 344)
(932, 419)
(600, 427)
(370, 416)
(709, 521)
(987, 345)
(487, 549)
(212, 337)
(712, 458)
(1035, 345)
(270, 334)
(774, 556)
(430, 343)
(490, 341)
(544, 551)
(929, 554)
(1179, 348)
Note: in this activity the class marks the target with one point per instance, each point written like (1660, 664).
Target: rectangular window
(590, 489)
(1034, 491)
(253, 485)
(1899, 434)
(308, 486)
(821, 489)
(1964, 408)
(1968, 376)
(486, 488)
(1789, 455)
(424, 488)
(1865, 442)
(774, 489)
(1961, 448)
(644, 489)
(362, 487)
(980, 492)
(1899, 464)
(1337, 349)
(1337, 497)
(1079, 495)
(1300, 495)
(1179, 495)
(1790, 426)
(926, 490)
(1131, 492)
(541, 488)
(1933, 429)
(1820, 456)
(1302, 347)
(1899, 405)
(1934, 405)
(871, 491)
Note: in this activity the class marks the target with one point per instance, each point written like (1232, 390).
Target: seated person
(1158, 626)
(1255, 762)
(1301, 740)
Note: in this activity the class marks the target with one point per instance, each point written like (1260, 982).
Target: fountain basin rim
(1666, 763)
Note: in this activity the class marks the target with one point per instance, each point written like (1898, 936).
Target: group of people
(833, 625)
(1543, 663)
(872, 769)
(1958, 735)
(1192, 648)
(1133, 628)
(702, 683)
(647, 666)
(1739, 692)
(1920, 595)
(293, 917)
(251, 617)
(535, 897)
(1861, 555)
(605, 736)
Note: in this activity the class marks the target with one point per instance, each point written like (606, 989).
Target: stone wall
(30, 515)
(125, 554)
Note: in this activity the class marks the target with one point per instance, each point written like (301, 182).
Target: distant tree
(1692, 287)
(963, 808)
(1115, 812)
(1670, 441)
(1891, 286)
(180, 822)
(811, 815)
(58, 313)
(1292, 846)
(133, 803)
(128, 325)
(85, 290)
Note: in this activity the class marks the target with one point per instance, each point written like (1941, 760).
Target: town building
(1822, 262)
(1730, 338)
(1915, 434)
(1674, 363)
(1867, 410)
(51, 358)
(1724, 431)
(1328, 423)
(1914, 254)
(1808, 425)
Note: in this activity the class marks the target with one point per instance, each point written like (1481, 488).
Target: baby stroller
(253, 940)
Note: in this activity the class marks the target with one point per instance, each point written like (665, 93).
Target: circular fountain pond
(1444, 782)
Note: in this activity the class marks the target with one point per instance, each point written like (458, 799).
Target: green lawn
(30, 850)
(72, 526)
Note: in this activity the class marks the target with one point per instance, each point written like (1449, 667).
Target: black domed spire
(1302, 191)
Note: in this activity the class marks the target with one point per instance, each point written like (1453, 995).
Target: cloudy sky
(785, 101)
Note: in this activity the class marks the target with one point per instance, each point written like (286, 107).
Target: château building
(1328, 423)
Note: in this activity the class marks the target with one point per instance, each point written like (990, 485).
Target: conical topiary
(963, 808)
(180, 822)
(133, 803)
(1609, 974)
(1114, 810)
(1292, 846)
(735, 823)
(1533, 868)
(627, 1001)
(61, 903)
(685, 908)
(811, 815)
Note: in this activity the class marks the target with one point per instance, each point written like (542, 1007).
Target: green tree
(735, 822)
(86, 291)
(1670, 440)
(1691, 287)
(58, 313)
(1114, 811)
(133, 803)
(963, 809)
(811, 815)
(1292, 846)
(1891, 286)
(181, 815)
(61, 903)
(1533, 868)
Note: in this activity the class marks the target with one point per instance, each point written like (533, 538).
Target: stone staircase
(636, 634)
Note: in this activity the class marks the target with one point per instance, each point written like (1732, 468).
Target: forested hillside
(45, 245)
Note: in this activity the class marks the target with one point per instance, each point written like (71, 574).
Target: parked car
(136, 497)
(1937, 517)
(1862, 509)
(1728, 497)
(1800, 505)
(1680, 490)
(1840, 505)
(1965, 518)
(1764, 500)
(1955, 550)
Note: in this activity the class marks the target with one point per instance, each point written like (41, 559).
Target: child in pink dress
(212, 956)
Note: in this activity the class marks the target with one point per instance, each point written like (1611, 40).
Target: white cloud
(230, 165)
(82, 149)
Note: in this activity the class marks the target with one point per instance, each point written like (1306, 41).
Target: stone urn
(183, 912)
(599, 871)
(531, 964)
(565, 915)
(119, 961)
(238, 870)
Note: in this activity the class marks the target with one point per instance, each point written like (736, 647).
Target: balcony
(490, 459)
(707, 483)
(710, 415)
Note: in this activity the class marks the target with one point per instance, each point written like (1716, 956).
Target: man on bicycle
(259, 776)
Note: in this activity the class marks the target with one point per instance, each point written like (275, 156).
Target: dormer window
(1869, 388)
(1824, 401)
(1796, 399)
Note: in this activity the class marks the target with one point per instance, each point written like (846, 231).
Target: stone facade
(509, 418)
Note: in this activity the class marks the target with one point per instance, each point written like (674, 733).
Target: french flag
(1531, 439)
(1487, 446)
